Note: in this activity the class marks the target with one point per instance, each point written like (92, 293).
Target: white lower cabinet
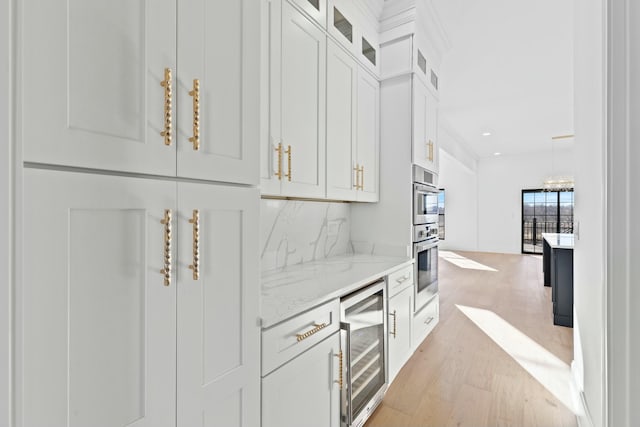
(218, 335)
(424, 321)
(400, 319)
(305, 391)
(97, 321)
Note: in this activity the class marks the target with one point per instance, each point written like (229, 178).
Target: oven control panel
(425, 232)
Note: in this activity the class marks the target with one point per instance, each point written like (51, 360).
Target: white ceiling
(509, 72)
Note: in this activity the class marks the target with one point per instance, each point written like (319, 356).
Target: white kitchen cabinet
(100, 323)
(306, 390)
(343, 168)
(368, 140)
(425, 124)
(96, 321)
(296, 153)
(424, 321)
(218, 334)
(400, 319)
(219, 46)
(316, 9)
(353, 99)
(96, 101)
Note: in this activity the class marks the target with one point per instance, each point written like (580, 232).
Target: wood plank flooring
(459, 376)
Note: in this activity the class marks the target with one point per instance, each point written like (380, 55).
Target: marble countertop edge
(293, 290)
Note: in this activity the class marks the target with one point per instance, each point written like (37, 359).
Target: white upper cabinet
(368, 122)
(425, 123)
(343, 169)
(101, 86)
(97, 319)
(93, 100)
(218, 291)
(297, 105)
(218, 84)
(316, 9)
(353, 98)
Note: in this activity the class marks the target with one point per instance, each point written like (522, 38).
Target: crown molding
(371, 10)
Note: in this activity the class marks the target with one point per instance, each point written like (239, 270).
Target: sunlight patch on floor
(544, 366)
(462, 262)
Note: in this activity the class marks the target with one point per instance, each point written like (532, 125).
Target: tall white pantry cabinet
(137, 135)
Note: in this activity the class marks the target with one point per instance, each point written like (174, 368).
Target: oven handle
(347, 328)
(425, 189)
(424, 246)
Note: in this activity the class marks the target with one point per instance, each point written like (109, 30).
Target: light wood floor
(461, 377)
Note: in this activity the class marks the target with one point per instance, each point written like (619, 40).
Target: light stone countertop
(293, 290)
(559, 240)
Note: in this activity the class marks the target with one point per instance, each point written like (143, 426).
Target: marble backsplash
(292, 232)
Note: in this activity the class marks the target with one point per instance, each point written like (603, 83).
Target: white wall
(501, 180)
(589, 253)
(5, 213)
(461, 204)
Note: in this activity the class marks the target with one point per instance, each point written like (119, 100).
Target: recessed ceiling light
(486, 133)
(497, 153)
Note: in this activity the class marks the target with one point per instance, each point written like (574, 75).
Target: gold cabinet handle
(279, 151)
(166, 271)
(167, 132)
(288, 153)
(339, 356)
(357, 171)
(395, 323)
(195, 220)
(362, 177)
(317, 327)
(430, 147)
(195, 93)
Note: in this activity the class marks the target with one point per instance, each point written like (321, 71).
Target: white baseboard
(582, 410)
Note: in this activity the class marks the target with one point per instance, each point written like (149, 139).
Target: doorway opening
(545, 212)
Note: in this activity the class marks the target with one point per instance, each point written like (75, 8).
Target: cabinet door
(368, 135)
(97, 322)
(218, 332)
(342, 80)
(305, 391)
(90, 83)
(317, 9)
(420, 125)
(432, 131)
(298, 103)
(400, 319)
(219, 45)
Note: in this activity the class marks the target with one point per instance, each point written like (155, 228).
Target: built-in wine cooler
(363, 332)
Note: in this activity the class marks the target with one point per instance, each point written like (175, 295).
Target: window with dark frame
(545, 212)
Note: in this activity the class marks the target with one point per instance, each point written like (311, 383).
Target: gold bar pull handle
(166, 271)
(195, 93)
(317, 327)
(430, 145)
(357, 171)
(167, 84)
(288, 153)
(340, 366)
(279, 151)
(362, 177)
(195, 220)
(395, 323)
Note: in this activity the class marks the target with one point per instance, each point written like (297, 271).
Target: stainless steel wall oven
(364, 342)
(425, 252)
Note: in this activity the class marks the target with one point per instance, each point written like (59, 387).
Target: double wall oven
(425, 237)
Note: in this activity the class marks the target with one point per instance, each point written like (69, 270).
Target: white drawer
(399, 280)
(286, 340)
(424, 321)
